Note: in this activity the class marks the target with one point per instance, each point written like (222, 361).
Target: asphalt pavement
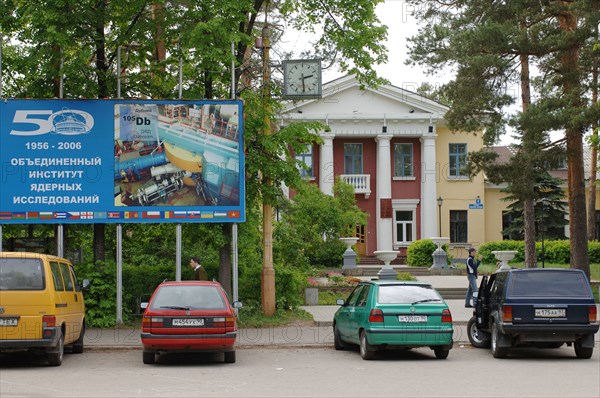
(318, 333)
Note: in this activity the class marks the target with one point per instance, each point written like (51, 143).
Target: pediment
(344, 96)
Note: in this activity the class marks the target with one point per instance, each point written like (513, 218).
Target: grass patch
(328, 297)
(256, 319)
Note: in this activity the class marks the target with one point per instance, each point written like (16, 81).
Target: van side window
(69, 285)
(21, 274)
(74, 277)
(59, 286)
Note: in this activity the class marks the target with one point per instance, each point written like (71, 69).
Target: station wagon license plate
(550, 312)
(187, 322)
(412, 318)
(9, 321)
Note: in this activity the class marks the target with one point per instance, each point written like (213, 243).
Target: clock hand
(306, 77)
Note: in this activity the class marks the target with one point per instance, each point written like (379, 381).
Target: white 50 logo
(64, 122)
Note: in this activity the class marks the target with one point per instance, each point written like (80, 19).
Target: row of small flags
(99, 215)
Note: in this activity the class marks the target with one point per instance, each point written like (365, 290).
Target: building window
(404, 223)
(353, 159)
(306, 158)
(458, 226)
(458, 160)
(403, 160)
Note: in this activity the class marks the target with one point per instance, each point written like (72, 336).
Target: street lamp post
(439, 202)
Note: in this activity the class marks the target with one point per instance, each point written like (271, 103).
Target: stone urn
(440, 258)
(504, 256)
(387, 256)
(349, 255)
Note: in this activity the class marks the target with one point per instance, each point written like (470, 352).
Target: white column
(384, 191)
(429, 211)
(326, 176)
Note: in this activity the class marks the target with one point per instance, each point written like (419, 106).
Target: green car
(386, 314)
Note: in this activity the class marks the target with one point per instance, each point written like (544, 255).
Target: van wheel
(583, 352)
(56, 358)
(497, 352)
(148, 357)
(78, 345)
(366, 350)
(477, 337)
(230, 357)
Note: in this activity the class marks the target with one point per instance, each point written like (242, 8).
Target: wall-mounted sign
(477, 205)
(85, 161)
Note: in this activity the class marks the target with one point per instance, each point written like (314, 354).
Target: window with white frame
(403, 160)
(353, 158)
(405, 221)
(305, 157)
(457, 160)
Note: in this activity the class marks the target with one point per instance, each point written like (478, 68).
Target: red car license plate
(187, 322)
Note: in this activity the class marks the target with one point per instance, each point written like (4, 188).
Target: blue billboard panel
(77, 161)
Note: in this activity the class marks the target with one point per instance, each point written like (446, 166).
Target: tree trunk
(591, 215)
(569, 60)
(528, 201)
(529, 228)
(101, 70)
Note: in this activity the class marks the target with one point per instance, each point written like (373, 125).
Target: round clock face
(303, 78)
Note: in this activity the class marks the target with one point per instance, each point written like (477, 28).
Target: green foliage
(100, 300)
(419, 253)
(289, 284)
(555, 251)
(487, 248)
(311, 225)
(594, 251)
(549, 210)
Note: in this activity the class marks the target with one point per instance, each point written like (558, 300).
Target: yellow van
(41, 305)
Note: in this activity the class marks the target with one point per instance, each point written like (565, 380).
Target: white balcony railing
(360, 182)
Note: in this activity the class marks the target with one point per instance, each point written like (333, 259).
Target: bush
(594, 251)
(419, 253)
(555, 251)
(487, 248)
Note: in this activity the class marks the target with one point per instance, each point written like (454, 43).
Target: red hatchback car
(189, 316)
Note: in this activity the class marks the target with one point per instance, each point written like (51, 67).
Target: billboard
(118, 161)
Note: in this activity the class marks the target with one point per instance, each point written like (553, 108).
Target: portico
(382, 142)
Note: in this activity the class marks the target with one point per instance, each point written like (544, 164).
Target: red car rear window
(193, 297)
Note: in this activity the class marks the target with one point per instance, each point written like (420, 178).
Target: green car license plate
(412, 318)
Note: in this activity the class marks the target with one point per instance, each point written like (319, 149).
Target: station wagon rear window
(21, 274)
(406, 294)
(189, 297)
(548, 284)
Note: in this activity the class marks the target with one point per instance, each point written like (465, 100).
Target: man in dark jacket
(472, 265)
(199, 271)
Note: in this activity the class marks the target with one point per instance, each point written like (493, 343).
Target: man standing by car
(199, 271)
(472, 265)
